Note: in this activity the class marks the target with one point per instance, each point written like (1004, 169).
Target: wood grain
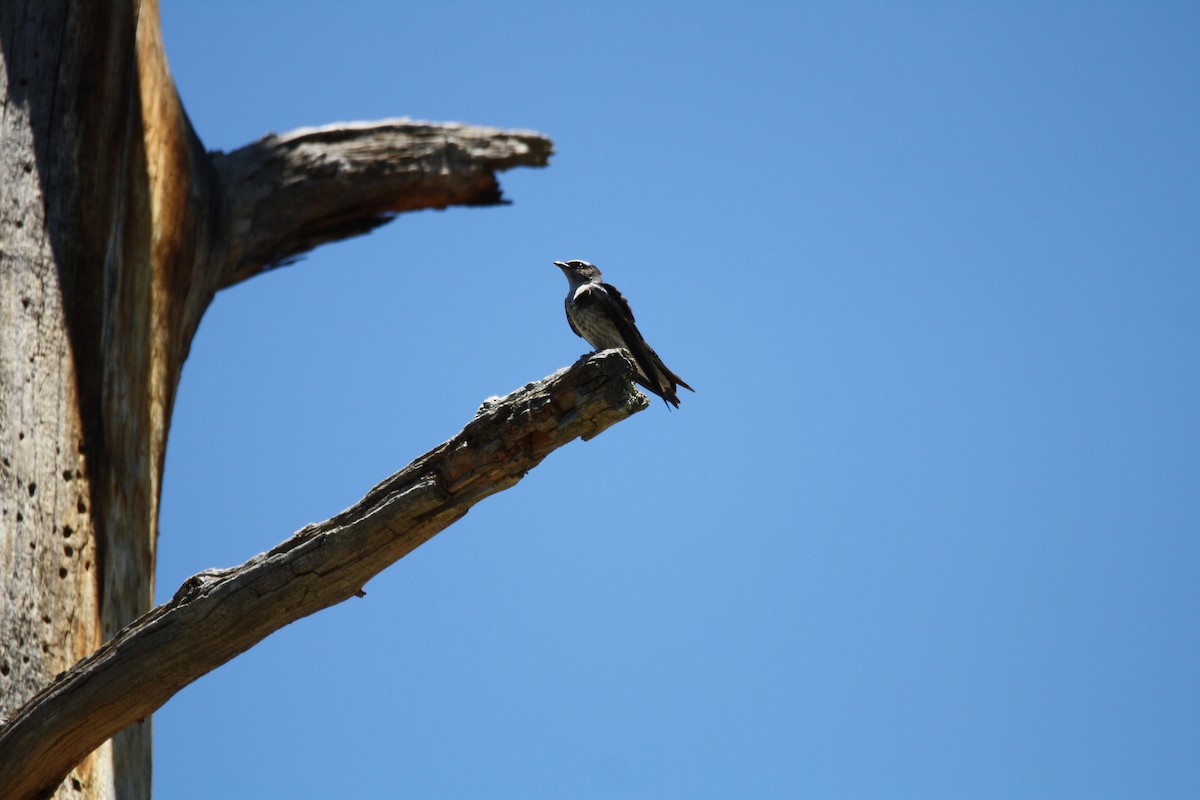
(288, 194)
(218, 614)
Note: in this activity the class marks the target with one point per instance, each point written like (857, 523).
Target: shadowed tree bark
(116, 230)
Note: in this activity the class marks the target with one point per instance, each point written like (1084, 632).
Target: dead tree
(116, 230)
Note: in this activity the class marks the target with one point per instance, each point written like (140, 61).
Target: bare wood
(288, 194)
(218, 614)
(82, 396)
(116, 230)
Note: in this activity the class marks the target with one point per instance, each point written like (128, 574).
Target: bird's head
(579, 272)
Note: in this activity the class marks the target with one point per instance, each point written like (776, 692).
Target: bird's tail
(667, 382)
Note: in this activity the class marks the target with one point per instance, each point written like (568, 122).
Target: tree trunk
(116, 230)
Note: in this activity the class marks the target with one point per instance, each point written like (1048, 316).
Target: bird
(599, 315)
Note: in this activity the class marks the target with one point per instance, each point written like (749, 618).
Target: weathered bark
(287, 194)
(219, 613)
(116, 230)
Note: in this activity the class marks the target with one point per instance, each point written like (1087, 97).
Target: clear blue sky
(930, 527)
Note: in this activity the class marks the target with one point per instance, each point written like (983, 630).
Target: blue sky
(930, 526)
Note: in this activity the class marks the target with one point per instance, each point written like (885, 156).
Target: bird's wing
(619, 302)
(652, 372)
(665, 377)
(647, 360)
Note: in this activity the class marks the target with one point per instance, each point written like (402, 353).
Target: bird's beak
(560, 264)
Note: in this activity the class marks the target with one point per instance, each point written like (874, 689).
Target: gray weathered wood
(287, 194)
(116, 230)
(219, 613)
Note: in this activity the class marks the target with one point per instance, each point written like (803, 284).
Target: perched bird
(599, 314)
